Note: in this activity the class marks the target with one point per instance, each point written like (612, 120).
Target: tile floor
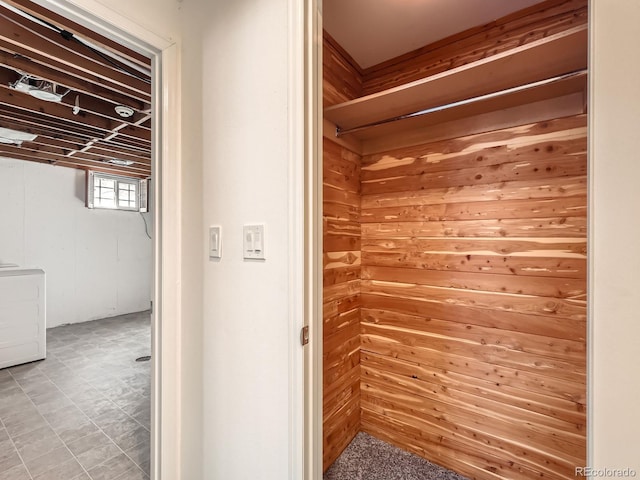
(84, 412)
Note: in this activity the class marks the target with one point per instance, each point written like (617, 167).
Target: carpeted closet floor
(367, 458)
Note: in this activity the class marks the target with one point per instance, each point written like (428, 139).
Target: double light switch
(253, 242)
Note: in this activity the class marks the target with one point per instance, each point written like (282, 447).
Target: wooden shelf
(542, 59)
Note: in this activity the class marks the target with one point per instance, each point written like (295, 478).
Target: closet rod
(520, 88)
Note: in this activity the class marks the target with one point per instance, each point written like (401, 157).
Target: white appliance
(22, 315)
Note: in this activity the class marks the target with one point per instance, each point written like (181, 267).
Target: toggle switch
(253, 242)
(215, 242)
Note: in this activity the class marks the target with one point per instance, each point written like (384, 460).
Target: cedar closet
(455, 248)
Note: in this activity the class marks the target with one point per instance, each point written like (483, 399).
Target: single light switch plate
(215, 242)
(253, 242)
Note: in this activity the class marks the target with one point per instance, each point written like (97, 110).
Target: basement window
(116, 192)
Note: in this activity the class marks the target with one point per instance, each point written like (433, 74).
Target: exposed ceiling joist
(19, 63)
(90, 76)
(26, 153)
(46, 42)
(40, 12)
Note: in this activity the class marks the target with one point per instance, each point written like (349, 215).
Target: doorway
(412, 275)
(165, 235)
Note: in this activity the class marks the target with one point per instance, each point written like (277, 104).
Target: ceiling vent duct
(41, 89)
(15, 137)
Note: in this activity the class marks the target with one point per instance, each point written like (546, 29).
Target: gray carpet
(367, 458)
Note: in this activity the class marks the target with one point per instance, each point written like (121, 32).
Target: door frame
(166, 208)
(313, 226)
(313, 439)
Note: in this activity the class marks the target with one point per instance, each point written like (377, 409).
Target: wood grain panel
(432, 444)
(497, 302)
(507, 320)
(545, 189)
(506, 172)
(341, 277)
(478, 412)
(523, 285)
(520, 28)
(340, 428)
(462, 426)
(342, 78)
(567, 411)
(383, 338)
(547, 58)
(567, 350)
(487, 210)
(563, 227)
(455, 271)
(551, 139)
(473, 294)
(515, 374)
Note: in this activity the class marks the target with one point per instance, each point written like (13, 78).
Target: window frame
(140, 197)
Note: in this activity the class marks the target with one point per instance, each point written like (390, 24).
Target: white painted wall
(234, 62)
(97, 262)
(236, 70)
(615, 235)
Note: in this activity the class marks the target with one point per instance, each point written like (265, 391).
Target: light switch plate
(215, 242)
(253, 242)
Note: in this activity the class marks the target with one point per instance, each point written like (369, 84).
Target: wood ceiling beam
(15, 29)
(76, 147)
(70, 70)
(26, 102)
(55, 142)
(115, 150)
(135, 132)
(125, 145)
(33, 118)
(86, 103)
(113, 171)
(24, 64)
(97, 133)
(69, 140)
(103, 109)
(81, 31)
(141, 163)
(119, 145)
(26, 153)
(119, 153)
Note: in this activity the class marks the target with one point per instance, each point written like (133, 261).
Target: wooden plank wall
(474, 300)
(454, 277)
(341, 251)
(508, 32)
(341, 74)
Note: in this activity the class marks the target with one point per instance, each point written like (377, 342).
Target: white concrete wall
(615, 235)
(97, 262)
